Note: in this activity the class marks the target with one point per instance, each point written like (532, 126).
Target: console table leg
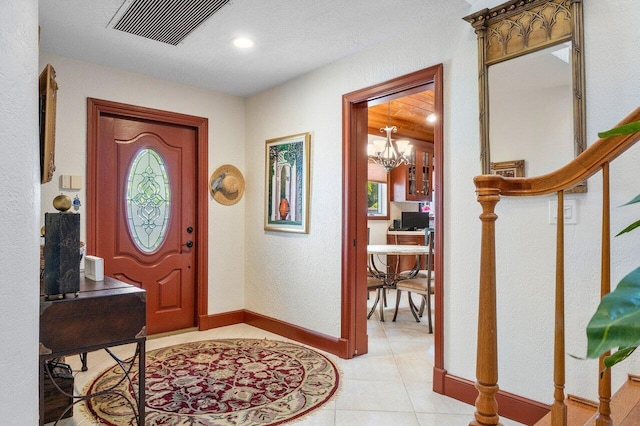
(83, 358)
(41, 391)
(141, 382)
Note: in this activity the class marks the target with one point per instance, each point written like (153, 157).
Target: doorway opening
(355, 106)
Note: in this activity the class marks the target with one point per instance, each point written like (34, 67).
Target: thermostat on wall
(94, 268)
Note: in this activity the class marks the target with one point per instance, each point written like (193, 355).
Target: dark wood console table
(104, 314)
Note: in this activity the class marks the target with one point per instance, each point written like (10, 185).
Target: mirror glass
(531, 86)
(531, 110)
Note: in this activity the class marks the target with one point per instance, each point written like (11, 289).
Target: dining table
(390, 279)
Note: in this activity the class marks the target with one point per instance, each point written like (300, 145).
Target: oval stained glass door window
(148, 200)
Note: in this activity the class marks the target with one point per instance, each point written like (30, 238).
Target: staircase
(625, 404)
(624, 407)
(579, 412)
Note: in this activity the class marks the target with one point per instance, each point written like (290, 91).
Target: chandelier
(384, 153)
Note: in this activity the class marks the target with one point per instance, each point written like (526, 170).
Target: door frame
(354, 202)
(98, 107)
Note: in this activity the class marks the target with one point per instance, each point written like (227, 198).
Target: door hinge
(354, 242)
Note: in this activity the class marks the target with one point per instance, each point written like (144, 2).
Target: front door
(145, 213)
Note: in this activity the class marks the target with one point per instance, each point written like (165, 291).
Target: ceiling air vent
(167, 21)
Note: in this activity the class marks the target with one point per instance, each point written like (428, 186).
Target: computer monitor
(416, 220)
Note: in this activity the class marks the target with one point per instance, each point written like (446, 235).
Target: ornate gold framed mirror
(47, 114)
(530, 59)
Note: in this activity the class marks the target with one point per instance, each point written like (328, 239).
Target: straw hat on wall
(227, 185)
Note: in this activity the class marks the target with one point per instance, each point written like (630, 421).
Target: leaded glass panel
(148, 199)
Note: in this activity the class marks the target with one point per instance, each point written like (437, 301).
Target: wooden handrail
(489, 189)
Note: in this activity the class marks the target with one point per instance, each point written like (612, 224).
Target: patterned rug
(221, 382)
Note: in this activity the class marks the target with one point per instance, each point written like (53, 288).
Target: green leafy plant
(616, 322)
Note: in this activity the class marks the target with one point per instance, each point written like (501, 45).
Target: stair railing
(489, 189)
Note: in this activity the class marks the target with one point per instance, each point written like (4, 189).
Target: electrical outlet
(570, 212)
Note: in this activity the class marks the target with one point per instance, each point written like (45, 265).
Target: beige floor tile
(424, 400)
(363, 395)
(379, 347)
(419, 348)
(371, 368)
(429, 419)
(318, 418)
(415, 369)
(377, 418)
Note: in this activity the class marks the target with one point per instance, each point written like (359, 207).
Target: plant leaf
(616, 322)
(622, 130)
(629, 228)
(618, 356)
(635, 200)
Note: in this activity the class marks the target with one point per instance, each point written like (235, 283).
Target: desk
(390, 279)
(104, 314)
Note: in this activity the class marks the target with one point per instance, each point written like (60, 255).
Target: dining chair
(421, 282)
(377, 285)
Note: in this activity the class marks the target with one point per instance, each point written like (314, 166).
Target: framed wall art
(508, 168)
(47, 115)
(287, 184)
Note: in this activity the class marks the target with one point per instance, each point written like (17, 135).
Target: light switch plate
(65, 181)
(570, 212)
(76, 182)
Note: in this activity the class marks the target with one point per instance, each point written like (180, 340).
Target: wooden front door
(145, 213)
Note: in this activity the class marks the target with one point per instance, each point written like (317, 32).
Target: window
(377, 192)
(377, 199)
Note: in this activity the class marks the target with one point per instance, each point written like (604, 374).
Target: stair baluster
(489, 189)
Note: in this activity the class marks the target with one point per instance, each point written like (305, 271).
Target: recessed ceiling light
(432, 118)
(243, 42)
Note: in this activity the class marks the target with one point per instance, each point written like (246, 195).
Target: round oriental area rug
(220, 382)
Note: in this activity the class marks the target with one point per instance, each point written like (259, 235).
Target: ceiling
(292, 37)
(408, 113)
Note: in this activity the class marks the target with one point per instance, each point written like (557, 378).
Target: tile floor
(391, 385)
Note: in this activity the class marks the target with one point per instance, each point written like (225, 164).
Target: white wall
(19, 206)
(78, 80)
(525, 241)
(296, 278)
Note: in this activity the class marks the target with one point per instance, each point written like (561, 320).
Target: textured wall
(19, 206)
(296, 278)
(79, 80)
(525, 241)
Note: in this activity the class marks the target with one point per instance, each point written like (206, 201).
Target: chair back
(429, 241)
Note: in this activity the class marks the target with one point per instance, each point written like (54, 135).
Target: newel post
(487, 349)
